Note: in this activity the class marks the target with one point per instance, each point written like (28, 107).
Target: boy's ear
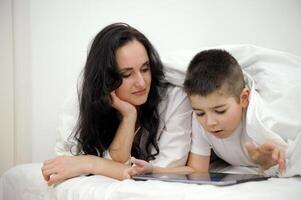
(244, 97)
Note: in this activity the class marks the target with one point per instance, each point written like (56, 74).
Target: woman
(126, 108)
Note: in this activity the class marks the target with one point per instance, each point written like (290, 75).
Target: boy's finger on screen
(251, 148)
(281, 162)
(275, 154)
(267, 147)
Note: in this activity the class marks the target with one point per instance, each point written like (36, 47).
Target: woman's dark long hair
(98, 120)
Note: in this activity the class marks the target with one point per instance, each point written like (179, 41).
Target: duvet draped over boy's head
(212, 70)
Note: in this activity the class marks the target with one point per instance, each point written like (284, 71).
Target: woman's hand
(61, 168)
(267, 155)
(139, 167)
(126, 109)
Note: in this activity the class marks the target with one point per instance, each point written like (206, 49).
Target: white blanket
(25, 182)
(274, 112)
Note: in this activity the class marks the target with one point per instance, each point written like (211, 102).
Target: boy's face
(219, 113)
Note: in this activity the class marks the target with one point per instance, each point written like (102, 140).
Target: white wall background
(50, 40)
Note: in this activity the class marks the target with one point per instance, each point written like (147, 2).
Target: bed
(25, 182)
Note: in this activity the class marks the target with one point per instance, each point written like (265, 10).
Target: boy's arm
(195, 163)
(198, 163)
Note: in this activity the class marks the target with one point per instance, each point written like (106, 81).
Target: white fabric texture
(174, 128)
(25, 182)
(273, 111)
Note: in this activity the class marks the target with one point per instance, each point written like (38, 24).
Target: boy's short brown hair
(212, 70)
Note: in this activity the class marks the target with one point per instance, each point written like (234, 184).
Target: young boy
(219, 97)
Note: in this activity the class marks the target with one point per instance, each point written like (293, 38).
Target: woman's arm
(64, 167)
(120, 148)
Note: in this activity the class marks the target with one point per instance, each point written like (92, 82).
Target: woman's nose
(140, 82)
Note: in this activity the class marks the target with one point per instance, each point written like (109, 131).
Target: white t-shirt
(174, 132)
(231, 149)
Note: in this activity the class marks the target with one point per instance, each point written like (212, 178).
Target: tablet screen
(203, 178)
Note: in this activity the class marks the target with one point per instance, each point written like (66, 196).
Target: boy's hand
(139, 167)
(267, 155)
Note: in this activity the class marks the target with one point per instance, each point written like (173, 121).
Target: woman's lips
(139, 93)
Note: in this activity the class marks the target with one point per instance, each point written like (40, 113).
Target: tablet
(211, 178)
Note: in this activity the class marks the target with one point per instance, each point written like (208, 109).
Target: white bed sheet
(25, 182)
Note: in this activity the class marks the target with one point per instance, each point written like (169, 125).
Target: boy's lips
(217, 132)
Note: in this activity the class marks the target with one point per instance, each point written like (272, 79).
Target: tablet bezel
(211, 178)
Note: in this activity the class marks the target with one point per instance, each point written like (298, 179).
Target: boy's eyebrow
(196, 109)
(218, 106)
(215, 107)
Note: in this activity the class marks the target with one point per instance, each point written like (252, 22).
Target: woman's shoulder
(174, 100)
(175, 92)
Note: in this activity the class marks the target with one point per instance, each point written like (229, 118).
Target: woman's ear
(244, 97)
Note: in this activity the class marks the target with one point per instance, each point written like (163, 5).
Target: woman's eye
(146, 69)
(126, 75)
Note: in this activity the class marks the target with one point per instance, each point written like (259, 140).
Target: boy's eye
(220, 111)
(199, 114)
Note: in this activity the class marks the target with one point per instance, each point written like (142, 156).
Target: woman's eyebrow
(145, 63)
(126, 69)
(131, 68)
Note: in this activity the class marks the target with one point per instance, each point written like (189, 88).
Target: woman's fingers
(47, 166)
(140, 166)
(48, 162)
(138, 162)
(47, 171)
(54, 179)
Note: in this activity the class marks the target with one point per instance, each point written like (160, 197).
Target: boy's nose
(210, 120)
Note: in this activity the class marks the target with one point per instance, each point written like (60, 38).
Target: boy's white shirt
(273, 113)
(231, 149)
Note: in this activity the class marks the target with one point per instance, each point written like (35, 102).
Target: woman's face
(133, 65)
